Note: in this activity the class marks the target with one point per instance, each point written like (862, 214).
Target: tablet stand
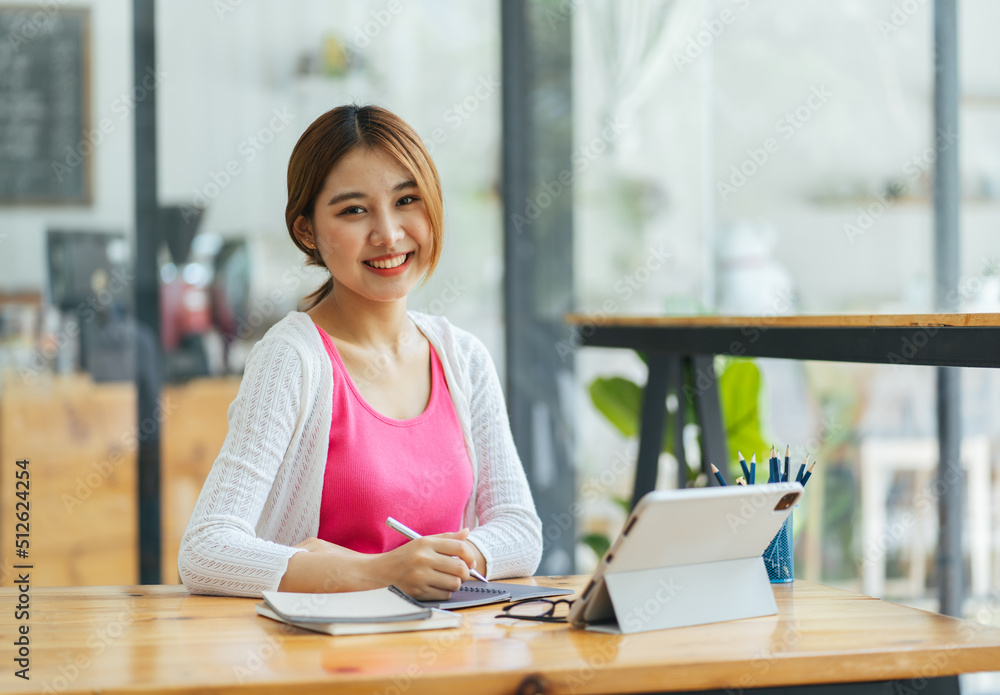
(664, 597)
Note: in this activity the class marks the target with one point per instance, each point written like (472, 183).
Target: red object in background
(184, 310)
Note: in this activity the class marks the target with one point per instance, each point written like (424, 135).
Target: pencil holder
(779, 558)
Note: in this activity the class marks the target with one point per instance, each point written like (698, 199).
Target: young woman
(357, 409)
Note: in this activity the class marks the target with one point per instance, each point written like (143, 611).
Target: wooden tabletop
(816, 321)
(160, 639)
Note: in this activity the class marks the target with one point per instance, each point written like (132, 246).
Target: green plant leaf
(598, 542)
(619, 400)
(739, 393)
(739, 382)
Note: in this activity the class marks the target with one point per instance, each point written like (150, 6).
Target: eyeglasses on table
(540, 609)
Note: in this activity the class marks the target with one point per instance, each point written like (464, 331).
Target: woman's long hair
(336, 134)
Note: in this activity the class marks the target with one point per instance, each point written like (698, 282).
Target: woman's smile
(390, 265)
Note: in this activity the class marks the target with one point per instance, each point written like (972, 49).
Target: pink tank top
(416, 471)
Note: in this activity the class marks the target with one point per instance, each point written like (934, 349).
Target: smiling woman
(357, 409)
(338, 135)
(370, 221)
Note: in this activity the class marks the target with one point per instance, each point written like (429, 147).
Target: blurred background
(663, 106)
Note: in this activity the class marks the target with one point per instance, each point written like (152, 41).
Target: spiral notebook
(476, 593)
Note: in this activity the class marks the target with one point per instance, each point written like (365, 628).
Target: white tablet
(686, 557)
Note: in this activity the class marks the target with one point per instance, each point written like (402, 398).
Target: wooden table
(948, 340)
(160, 639)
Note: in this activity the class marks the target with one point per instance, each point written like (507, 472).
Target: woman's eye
(352, 210)
(407, 199)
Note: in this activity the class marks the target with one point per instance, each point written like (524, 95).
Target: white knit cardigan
(263, 492)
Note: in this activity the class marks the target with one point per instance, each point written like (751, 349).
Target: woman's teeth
(390, 263)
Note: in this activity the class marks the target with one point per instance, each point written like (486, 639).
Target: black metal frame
(944, 685)
(537, 148)
(666, 375)
(941, 346)
(147, 299)
(947, 233)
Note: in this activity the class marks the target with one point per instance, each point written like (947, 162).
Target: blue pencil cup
(779, 558)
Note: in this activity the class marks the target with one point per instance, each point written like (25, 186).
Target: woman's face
(371, 227)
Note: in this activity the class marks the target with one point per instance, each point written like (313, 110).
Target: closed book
(387, 604)
(438, 620)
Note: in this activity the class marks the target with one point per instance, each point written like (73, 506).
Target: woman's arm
(220, 552)
(509, 534)
(428, 569)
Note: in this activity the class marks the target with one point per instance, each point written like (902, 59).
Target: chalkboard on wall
(46, 145)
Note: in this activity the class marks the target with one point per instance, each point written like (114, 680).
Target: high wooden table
(942, 340)
(160, 639)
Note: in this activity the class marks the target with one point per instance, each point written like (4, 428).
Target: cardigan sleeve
(509, 532)
(220, 552)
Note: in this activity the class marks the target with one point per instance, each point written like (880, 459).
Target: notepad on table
(476, 593)
(374, 605)
(438, 620)
(354, 612)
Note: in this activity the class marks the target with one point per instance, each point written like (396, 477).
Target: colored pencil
(718, 476)
(743, 465)
(753, 469)
(788, 466)
(802, 469)
(805, 478)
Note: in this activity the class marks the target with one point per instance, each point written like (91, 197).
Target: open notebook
(476, 593)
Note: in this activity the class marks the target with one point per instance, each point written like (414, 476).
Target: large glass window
(774, 158)
(235, 86)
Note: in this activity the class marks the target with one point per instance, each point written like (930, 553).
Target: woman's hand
(430, 568)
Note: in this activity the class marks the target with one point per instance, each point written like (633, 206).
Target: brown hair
(336, 134)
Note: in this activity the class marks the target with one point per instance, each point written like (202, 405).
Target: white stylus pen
(413, 535)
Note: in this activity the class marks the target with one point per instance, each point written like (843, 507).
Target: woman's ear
(303, 231)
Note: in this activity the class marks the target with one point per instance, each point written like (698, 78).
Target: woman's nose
(386, 230)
